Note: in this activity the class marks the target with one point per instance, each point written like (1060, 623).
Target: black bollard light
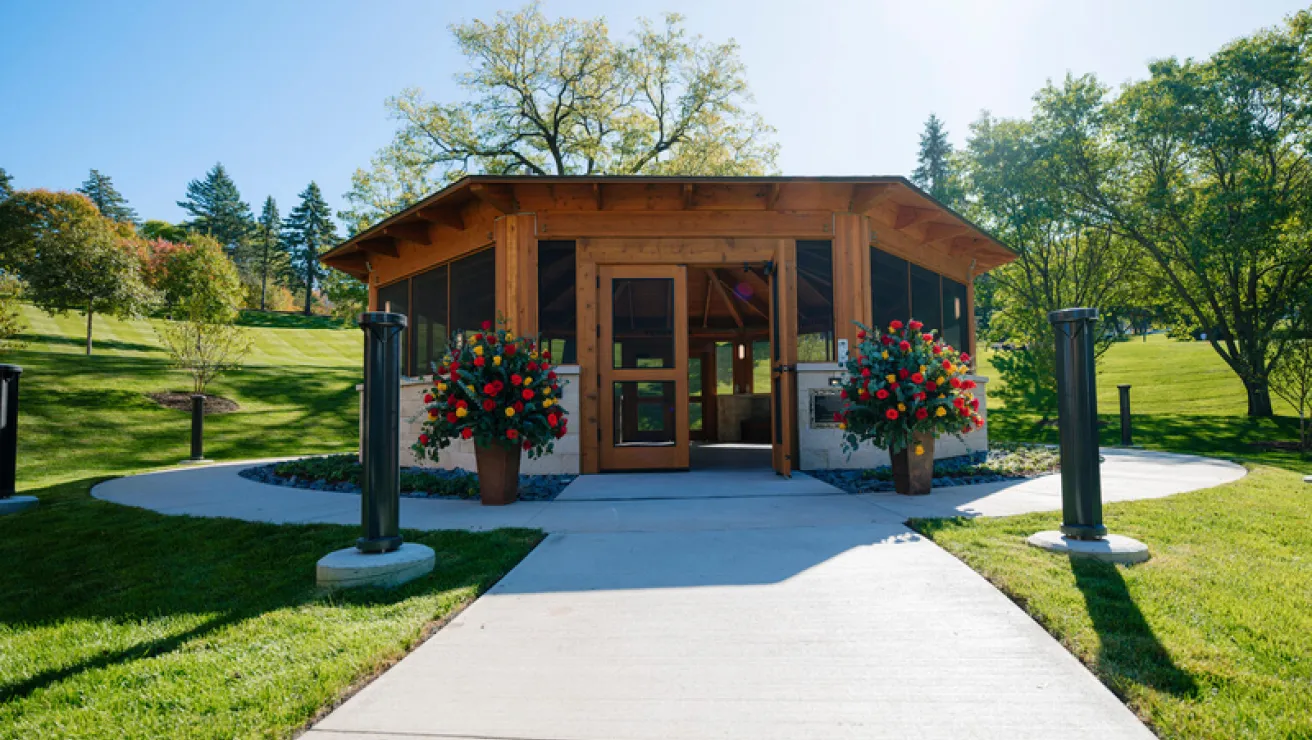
(9, 430)
(197, 427)
(1127, 436)
(1077, 417)
(380, 499)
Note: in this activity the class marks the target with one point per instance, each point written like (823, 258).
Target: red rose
(466, 433)
(947, 364)
(512, 433)
(546, 354)
(478, 337)
(965, 430)
(903, 373)
(451, 417)
(428, 398)
(881, 394)
(904, 345)
(954, 381)
(527, 394)
(487, 325)
(499, 385)
(968, 384)
(864, 394)
(921, 413)
(838, 416)
(510, 349)
(843, 394)
(551, 420)
(865, 372)
(886, 339)
(491, 339)
(965, 357)
(974, 403)
(551, 375)
(938, 350)
(927, 337)
(532, 366)
(454, 372)
(441, 369)
(931, 386)
(527, 445)
(920, 396)
(914, 325)
(519, 406)
(891, 414)
(895, 324)
(516, 379)
(860, 335)
(489, 389)
(489, 404)
(423, 439)
(917, 378)
(478, 362)
(462, 404)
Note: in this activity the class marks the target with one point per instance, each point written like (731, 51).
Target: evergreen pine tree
(217, 209)
(271, 255)
(6, 184)
(309, 228)
(934, 163)
(101, 191)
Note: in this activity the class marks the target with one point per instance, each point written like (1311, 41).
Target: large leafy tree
(934, 167)
(155, 229)
(558, 97)
(308, 230)
(198, 281)
(217, 210)
(100, 190)
(6, 184)
(71, 257)
(1206, 166)
(269, 252)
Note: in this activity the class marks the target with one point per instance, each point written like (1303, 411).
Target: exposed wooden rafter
(597, 196)
(772, 195)
(724, 295)
(937, 231)
(384, 245)
(762, 312)
(687, 195)
(443, 216)
(500, 197)
(417, 233)
(910, 216)
(866, 195)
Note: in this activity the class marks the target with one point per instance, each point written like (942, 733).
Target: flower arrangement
(903, 383)
(496, 389)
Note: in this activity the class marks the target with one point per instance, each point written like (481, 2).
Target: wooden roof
(896, 208)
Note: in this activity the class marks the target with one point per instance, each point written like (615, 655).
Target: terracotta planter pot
(498, 474)
(913, 474)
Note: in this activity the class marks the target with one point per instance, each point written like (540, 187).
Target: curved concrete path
(727, 605)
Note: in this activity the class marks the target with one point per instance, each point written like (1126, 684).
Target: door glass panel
(760, 367)
(644, 413)
(694, 376)
(642, 322)
(724, 368)
(695, 416)
(926, 302)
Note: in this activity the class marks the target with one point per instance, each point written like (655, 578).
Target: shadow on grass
(281, 320)
(1129, 649)
(131, 574)
(39, 342)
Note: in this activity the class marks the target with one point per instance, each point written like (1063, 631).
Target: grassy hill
(1183, 397)
(84, 416)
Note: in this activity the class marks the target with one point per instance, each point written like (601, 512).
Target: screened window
(429, 326)
(815, 301)
(557, 300)
(890, 289)
(954, 313)
(473, 291)
(926, 298)
(395, 298)
(760, 367)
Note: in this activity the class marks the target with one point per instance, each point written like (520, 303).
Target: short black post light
(379, 557)
(1127, 435)
(380, 481)
(10, 503)
(197, 427)
(1082, 531)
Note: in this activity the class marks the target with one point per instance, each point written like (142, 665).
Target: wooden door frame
(673, 456)
(783, 359)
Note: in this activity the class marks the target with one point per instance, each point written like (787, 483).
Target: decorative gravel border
(531, 487)
(865, 480)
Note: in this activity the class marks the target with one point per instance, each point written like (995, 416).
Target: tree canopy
(308, 230)
(6, 184)
(270, 258)
(561, 97)
(100, 190)
(217, 209)
(934, 167)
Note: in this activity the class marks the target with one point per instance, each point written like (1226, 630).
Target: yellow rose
(528, 381)
(885, 354)
(510, 337)
(547, 402)
(923, 368)
(510, 411)
(546, 391)
(901, 407)
(441, 387)
(940, 411)
(470, 388)
(891, 378)
(532, 355)
(432, 415)
(462, 412)
(920, 450)
(842, 425)
(496, 360)
(941, 396)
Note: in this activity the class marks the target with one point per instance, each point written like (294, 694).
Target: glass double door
(644, 361)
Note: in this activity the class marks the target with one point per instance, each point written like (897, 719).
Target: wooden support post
(517, 272)
(851, 274)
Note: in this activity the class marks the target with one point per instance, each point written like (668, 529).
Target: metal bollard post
(1077, 408)
(380, 499)
(1127, 436)
(197, 427)
(9, 429)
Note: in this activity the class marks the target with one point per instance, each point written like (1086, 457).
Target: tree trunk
(264, 275)
(90, 313)
(1259, 398)
(309, 295)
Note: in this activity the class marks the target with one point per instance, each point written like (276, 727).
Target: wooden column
(517, 272)
(589, 421)
(851, 274)
(970, 315)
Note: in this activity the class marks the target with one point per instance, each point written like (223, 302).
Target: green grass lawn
(1212, 637)
(122, 623)
(1183, 398)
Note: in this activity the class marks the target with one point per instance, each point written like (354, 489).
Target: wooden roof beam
(500, 197)
(384, 245)
(687, 195)
(597, 196)
(908, 216)
(417, 233)
(750, 303)
(724, 295)
(866, 195)
(937, 231)
(443, 216)
(772, 195)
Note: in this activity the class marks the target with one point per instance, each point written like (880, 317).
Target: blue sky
(153, 93)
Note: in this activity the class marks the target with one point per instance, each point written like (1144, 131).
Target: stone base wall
(821, 446)
(564, 460)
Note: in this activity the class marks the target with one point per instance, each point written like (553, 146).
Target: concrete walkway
(726, 605)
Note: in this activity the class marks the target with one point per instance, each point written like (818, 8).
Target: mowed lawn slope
(1183, 398)
(118, 622)
(83, 416)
